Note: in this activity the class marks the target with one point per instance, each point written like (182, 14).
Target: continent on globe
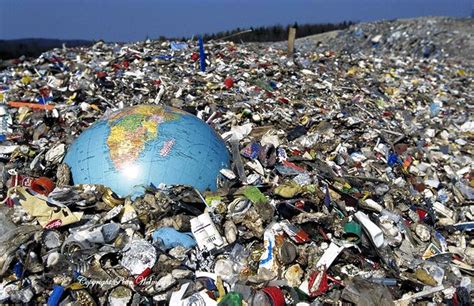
(145, 145)
(131, 129)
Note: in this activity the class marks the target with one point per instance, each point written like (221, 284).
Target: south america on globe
(139, 146)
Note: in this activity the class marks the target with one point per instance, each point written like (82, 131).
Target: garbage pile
(351, 180)
(428, 37)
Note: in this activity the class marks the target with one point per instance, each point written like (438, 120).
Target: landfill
(351, 182)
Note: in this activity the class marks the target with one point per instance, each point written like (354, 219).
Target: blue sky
(130, 20)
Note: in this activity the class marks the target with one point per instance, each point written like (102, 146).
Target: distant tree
(14, 49)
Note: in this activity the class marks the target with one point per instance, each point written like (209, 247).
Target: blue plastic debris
(202, 55)
(359, 32)
(165, 57)
(56, 295)
(170, 238)
(44, 100)
(251, 150)
(18, 269)
(272, 84)
(327, 197)
(178, 45)
(393, 160)
(464, 226)
(435, 109)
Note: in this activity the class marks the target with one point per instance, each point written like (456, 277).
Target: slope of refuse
(352, 174)
(428, 37)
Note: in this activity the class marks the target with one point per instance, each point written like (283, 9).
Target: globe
(145, 145)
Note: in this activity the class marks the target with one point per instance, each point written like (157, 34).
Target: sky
(132, 20)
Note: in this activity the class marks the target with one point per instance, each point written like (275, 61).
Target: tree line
(34, 47)
(276, 32)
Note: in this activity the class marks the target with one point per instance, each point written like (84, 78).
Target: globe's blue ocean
(143, 145)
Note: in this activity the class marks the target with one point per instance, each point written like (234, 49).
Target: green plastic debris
(254, 195)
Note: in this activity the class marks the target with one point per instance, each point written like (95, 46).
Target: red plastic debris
(228, 82)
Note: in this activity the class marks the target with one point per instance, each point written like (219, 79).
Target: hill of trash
(428, 37)
(351, 180)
